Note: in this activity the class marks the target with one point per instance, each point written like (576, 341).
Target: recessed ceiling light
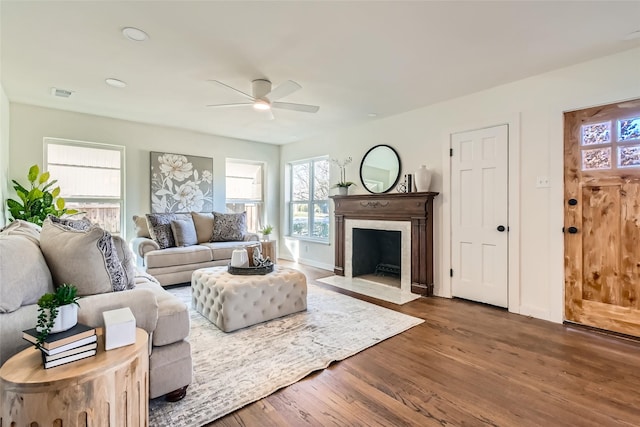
(134, 34)
(372, 115)
(115, 83)
(632, 35)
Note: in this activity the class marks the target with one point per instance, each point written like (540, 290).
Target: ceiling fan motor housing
(260, 88)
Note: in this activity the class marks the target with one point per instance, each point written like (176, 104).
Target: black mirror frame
(395, 182)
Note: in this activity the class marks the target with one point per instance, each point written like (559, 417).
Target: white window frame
(262, 219)
(309, 202)
(68, 142)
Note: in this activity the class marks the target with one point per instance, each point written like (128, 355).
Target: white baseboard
(310, 263)
(538, 313)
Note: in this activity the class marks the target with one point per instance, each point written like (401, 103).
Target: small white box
(119, 328)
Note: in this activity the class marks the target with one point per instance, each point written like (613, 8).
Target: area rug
(234, 369)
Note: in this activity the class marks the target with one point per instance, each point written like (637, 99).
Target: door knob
(572, 230)
(501, 228)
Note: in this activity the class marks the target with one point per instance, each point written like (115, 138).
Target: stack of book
(68, 346)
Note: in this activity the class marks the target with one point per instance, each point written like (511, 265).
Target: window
(605, 146)
(245, 189)
(91, 179)
(309, 199)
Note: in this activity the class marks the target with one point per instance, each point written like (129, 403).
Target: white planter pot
(343, 191)
(422, 178)
(67, 318)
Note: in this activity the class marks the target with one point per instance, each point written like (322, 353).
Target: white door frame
(513, 265)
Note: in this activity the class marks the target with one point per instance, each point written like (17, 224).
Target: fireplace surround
(414, 208)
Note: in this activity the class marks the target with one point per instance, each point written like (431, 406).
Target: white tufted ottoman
(232, 301)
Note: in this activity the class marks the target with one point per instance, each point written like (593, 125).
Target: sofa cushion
(142, 226)
(24, 275)
(229, 227)
(177, 256)
(184, 232)
(99, 270)
(223, 250)
(204, 226)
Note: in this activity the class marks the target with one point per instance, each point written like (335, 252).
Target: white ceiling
(351, 58)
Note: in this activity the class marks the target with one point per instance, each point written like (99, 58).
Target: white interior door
(479, 215)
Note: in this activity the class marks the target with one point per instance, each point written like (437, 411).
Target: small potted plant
(57, 311)
(266, 231)
(343, 185)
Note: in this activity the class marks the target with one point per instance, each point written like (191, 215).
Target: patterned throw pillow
(85, 258)
(74, 224)
(229, 227)
(160, 229)
(184, 232)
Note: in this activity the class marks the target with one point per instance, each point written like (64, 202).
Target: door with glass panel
(602, 217)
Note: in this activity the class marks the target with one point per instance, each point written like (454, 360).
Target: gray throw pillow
(160, 229)
(229, 227)
(184, 232)
(85, 258)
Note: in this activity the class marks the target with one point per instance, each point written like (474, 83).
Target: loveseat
(172, 246)
(33, 260)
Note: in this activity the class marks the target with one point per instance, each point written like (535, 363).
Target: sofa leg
(176, 395)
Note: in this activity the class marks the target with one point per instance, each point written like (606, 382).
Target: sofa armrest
(250, 237)
(142, 302)
(142, 245)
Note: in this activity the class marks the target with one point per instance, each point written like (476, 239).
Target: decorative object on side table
(422, 178)
(343, 185)
(57, 312)
(266, 232)
(39, 201)
(119, 328)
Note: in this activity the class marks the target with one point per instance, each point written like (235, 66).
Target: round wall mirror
(380, 169)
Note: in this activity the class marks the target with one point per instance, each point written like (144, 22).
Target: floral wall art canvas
(181, 183)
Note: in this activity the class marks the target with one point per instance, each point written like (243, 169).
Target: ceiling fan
(264, 97)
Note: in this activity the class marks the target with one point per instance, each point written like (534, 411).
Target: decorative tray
(246, 271)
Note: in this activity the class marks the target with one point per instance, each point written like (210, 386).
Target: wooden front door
(602, 217)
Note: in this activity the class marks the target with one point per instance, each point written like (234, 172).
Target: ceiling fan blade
(240, 104)
(283, 90)
(296, 107)
(246, 95)
(267, 114)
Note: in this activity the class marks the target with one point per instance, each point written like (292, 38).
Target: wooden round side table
(109, 389)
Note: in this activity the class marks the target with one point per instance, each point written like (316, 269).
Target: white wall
(4, 153)
(30, 124)
(421, 136)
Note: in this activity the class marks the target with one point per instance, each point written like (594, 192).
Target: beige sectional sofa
(28, 269)
(175, 264)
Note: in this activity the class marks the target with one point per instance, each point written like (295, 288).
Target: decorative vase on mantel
(422, 178)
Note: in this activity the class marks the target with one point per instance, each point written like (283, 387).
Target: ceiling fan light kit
(261, 104)
(263, 96)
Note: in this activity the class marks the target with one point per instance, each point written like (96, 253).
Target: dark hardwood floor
(467, 365)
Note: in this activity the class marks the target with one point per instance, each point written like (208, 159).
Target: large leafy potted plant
(57, 312)
(38, 201)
